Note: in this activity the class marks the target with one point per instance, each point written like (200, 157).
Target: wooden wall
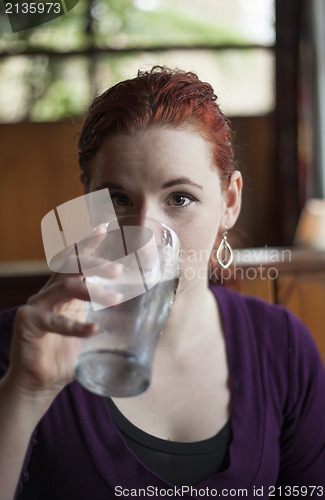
(255, 150)
(39, 170)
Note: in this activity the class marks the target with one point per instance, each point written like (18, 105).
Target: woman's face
(166, 174)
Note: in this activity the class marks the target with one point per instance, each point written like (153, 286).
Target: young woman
(237, 399)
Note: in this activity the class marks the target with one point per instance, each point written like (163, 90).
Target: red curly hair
(162, 97)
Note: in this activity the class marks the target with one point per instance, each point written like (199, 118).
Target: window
(52, 71)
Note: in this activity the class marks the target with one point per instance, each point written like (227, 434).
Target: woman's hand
(49, 329)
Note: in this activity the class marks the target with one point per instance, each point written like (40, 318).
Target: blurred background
(266, 62)
(264, 58)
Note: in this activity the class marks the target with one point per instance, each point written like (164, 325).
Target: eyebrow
(181, 180)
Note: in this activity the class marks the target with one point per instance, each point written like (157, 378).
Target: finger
(93, 265)
(91, 241)
(67, 260)
(101, 295)
(58, 277)
(108, 269)
(70, 289)
(71, 283)
(96, 266)
(60, 291)
(38, 322)
(90, 262)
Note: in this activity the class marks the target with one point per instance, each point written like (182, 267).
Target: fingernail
(100, 227)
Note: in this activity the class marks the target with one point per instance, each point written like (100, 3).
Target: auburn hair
(164, 97)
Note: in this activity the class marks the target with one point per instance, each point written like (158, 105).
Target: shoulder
(7, 319)
(267, 322)
(280, 339)
(283, 344)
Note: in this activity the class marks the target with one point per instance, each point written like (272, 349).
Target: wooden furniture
(290, 277)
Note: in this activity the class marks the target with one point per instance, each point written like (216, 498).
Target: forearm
(19, 416)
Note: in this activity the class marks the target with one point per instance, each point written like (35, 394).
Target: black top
(181, 464)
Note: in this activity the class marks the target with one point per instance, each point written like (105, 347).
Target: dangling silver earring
(225, 254)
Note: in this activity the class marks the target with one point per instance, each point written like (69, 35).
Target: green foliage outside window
(43, 86)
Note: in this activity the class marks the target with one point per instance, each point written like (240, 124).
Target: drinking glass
(117, 361)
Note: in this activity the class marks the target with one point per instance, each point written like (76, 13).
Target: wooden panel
(262, 288)
(38, 171)
(304, 295)
(255, 154)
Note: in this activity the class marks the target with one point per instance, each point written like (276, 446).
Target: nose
(151, 210)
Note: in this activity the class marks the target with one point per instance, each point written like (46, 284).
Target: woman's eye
(120, 199)
(181, 199)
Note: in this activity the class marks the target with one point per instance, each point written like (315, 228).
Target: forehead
(155, 149)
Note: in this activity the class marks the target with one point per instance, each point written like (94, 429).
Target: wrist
(23, 403)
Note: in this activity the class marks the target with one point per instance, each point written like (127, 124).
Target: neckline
(192, 448)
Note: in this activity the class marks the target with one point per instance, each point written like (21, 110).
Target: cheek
(199, 235)
(197, 243)
(197, 239)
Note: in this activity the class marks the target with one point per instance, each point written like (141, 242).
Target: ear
(232, 201)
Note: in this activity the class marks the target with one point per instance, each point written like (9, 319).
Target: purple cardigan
(277, 415)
